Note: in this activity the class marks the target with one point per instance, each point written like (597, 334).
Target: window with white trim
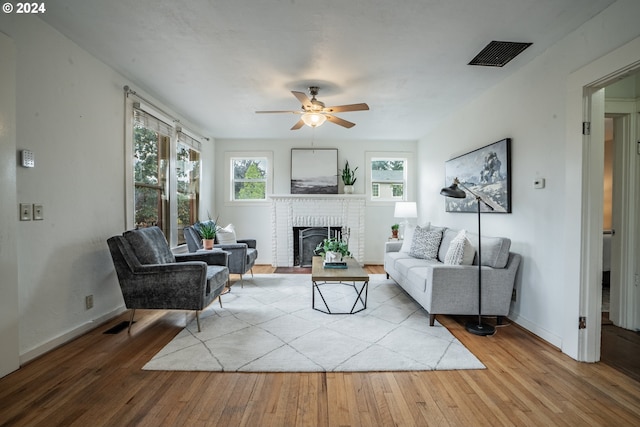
(387, 177)
(151, 138)
(249, 176)
(188, 182)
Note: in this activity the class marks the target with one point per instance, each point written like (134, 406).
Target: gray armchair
(242, 255)
(152, 277)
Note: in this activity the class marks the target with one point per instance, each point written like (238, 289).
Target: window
(188, 183)
(166, 171)
(375, 190)
(249, 177)
(150, 171)
(387, 178)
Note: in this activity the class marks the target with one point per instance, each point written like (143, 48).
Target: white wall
(531, 108)
(70, 113)
(255, 221)
(9, 315)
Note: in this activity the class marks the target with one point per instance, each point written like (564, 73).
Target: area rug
(269, 326)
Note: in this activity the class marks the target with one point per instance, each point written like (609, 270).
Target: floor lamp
(475, 327)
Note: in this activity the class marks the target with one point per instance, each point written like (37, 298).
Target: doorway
(620, 339)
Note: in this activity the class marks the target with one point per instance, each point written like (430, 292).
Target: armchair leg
(251, 270)
(220, 300)
(241, 281)
(432, 319)
(133, 312)
(198, 320)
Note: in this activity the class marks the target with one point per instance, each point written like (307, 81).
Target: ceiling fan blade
(339, 121)
(278, 111)
(350, 107)
(298, 125)
(304, 99)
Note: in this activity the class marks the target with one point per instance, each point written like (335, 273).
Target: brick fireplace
(296, 210)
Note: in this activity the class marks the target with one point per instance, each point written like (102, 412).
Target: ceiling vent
(497, 54)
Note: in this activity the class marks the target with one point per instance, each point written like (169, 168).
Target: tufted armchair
(242, 255)
(152, 277)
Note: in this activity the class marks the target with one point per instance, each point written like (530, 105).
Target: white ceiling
(216, 62)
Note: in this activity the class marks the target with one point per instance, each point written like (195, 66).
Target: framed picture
(314, 171)
(486, 172)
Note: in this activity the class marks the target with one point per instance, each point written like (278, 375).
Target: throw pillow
(460, 251)
(226, 235)
(408, 236)
(425, 243)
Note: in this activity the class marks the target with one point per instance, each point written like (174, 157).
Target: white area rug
(270, 326)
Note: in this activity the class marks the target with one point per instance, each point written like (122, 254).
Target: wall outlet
(88, 302)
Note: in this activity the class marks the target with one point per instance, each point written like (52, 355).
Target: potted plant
(394, 230)
(207, 231)
(348, 177)
(333, 249)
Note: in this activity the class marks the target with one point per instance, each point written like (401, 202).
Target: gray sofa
(452, 289)
(152, 277)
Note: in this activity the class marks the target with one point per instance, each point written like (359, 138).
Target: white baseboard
(69, 336)
(536, 330)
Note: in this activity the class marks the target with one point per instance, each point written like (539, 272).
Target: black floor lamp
(475, 327)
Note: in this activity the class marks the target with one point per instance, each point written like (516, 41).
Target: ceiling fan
(314, 113)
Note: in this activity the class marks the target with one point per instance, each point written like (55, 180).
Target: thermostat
(28, 160)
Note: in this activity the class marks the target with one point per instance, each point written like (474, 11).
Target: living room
(68, 108)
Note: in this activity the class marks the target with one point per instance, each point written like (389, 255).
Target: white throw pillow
(461, 251)
(408, 238)
(425, 243)
(226, 235)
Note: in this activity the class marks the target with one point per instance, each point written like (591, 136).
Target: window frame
(133, 103)
(229, 157)
(407, 182)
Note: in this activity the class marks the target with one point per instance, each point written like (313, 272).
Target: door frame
(585, 103)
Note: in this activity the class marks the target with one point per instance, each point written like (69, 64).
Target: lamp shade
(313, 119)
(453, 191)
(406, 210)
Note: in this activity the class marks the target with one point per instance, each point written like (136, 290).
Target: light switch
(38, 213)
(25, 212)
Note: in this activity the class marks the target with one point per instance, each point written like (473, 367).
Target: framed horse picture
(485, 171)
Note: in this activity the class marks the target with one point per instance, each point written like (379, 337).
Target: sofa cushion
(150, 246)
(460, 251)
(495, 250)
(405, 265)
(425, 243)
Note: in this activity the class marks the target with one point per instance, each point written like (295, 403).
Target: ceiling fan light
(313, 119)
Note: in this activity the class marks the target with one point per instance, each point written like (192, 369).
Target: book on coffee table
(338, 264)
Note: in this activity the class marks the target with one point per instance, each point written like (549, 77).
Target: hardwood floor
(96, 380)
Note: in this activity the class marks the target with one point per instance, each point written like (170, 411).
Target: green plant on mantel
(395, 227)
(348, 175)
(332, 244)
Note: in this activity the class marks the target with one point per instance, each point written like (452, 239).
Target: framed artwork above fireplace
(314, 171)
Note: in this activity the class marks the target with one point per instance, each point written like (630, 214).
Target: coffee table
(328, 279)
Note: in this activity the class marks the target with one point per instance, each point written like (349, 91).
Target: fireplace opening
(306, 239)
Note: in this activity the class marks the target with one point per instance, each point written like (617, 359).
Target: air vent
(497, 54)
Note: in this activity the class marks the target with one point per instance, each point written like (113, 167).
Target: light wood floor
(97, 380)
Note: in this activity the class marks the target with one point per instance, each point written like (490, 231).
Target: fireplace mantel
(315, 210)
